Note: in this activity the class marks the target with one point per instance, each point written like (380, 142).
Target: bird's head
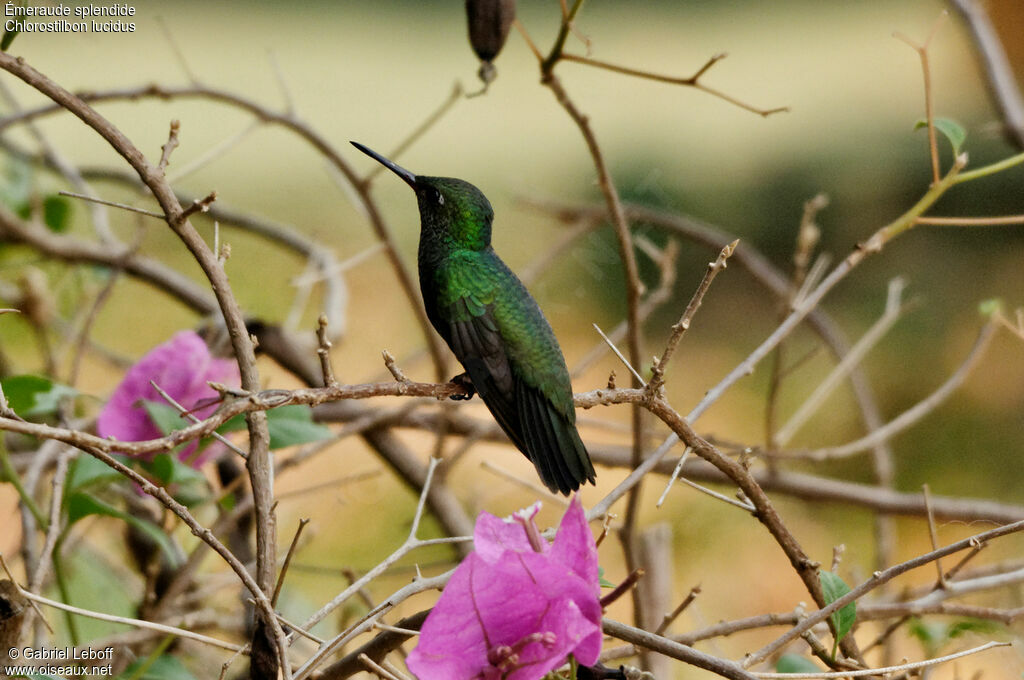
(450, 209)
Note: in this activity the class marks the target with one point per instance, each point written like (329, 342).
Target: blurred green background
(372, 71)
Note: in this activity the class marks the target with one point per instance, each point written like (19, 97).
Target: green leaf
(833, 588)
(961, 626)
(954, 131)
(793, 663)
(164, 667)
(33, 395)
(56, 213)
(602, 581)
(227, 502)
(86, 471)
(81, 504)
(291, 425)
(166, 418)
(16, 186)
(186, 484)
(991, 307)
(168, 469)
(931, 634)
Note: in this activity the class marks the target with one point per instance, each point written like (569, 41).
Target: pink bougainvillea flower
(517, 606)
(181, 366)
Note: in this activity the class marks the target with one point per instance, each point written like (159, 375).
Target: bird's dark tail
(553, 444)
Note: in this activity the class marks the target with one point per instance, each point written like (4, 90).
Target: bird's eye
(437, 196)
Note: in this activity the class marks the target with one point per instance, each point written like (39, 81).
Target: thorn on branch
(675, 613)
(837, 556)
(169, 146)
(623, 588)
(324, 352)
(199, 205)
(287, 561)
(680, 328)
(396, 372)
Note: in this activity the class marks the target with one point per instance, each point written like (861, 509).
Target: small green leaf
(227, 502)
(168, 469)
(793, 663)
(166, 418)
(16, 186)
(186, 484)
(56, 213)
(833, 588)
(602, 581)
(961, 626)
(33, 395)
(291, 425)
(954, 131)
(932, 634)
(86, 471)
(990, 307)
(288, 426)
(81, 504)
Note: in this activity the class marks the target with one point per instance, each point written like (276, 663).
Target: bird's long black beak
(406, 176)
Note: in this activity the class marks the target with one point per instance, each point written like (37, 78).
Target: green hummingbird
(495, 328)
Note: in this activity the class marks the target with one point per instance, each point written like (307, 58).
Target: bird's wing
(477, 344)
(522, 409)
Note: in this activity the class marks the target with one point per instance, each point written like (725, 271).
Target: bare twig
(323, 351)
(618, 353)
(893, 310)
(304, 132)
(169, 146)
(878, 578)
(177, 220)
(662, 645)
(195, 419)
(929, 95)
(691, 81)
(680, 608)
(900, 668)
(622, 588)
(392, 366)
(138, 623)
(288, 560)
(680, 328)
(919, 410)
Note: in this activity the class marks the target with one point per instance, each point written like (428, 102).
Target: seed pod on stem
(489, 23)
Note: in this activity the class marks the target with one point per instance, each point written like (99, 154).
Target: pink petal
(492, 536)
(511, 606)
(451, 644)
(181, 366)
(574, 544)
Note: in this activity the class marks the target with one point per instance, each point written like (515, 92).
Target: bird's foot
(465, 382)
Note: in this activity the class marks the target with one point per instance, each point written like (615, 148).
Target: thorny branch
(752, 482)
(177, 220)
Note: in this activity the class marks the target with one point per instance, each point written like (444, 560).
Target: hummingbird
(495, 328)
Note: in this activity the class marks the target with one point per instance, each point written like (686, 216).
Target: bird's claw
(465, 382)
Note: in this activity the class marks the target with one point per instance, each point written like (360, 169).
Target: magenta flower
(517, 606)
(181, 366)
